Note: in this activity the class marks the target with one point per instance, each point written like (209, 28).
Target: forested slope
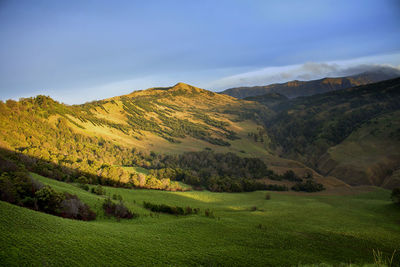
(306, 128)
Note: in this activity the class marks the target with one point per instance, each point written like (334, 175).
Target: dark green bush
(170, 209)
(98, 190)
(120, 211)
(84, 187)
(308, 186)
(49, 200)
(396, 195)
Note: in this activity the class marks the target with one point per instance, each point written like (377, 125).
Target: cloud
(304, 72)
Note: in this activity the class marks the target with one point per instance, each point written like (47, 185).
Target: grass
(295, 229)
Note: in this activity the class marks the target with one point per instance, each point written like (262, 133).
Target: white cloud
(307, 71)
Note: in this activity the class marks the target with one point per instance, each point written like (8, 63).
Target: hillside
(180, 133)
(168, 119)
(352, 134)
(246, 229)
(271, 100)
(369, 155)
(296, 88)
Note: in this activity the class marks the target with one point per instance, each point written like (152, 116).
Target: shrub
(396, 195)
(267, 196)
(84, 187)
(8, 191)
(49, 200)
(30, 202)
(308, 186)
(98, 190)
(73, 208)
(291, 176)
(120, 211)
(170, 209)
(276, 187)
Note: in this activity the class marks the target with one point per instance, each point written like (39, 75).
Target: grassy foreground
(286, 230)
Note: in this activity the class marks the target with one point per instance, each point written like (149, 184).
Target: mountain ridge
(296, 88)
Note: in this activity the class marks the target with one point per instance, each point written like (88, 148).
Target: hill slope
(274, 234)
(352, 134)
(296, 88)
(107, 140)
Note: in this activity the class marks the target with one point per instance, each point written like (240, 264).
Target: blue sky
(77, 51)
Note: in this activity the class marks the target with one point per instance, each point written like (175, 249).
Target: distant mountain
(296, 88)
(352, 134)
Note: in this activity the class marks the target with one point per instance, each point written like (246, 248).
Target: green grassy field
(289, 229)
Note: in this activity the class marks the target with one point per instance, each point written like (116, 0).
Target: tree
(49, 200)
(396, 195)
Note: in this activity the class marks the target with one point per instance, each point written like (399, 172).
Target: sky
(79, 51)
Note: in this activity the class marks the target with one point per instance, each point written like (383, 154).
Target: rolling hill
(296, 88)
(289, 229)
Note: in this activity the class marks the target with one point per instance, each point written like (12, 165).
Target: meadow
(246, 229)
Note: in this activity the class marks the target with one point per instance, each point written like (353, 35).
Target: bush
(267, 196)
(98, 190)
(308, 186)
(49, 200)
(120, 211)
(170, 209)
(30, 202)
(19, 188)
(73, 208)
(291, 176)
(84, 187)
(396, 195)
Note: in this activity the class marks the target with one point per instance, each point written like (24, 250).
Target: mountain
(210, 140)
(296, 88)
(173, 133)
(352, 134)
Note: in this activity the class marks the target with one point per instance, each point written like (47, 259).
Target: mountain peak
(184, 87)
(181, 84)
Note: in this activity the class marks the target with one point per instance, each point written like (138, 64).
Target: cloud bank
(303, 72)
